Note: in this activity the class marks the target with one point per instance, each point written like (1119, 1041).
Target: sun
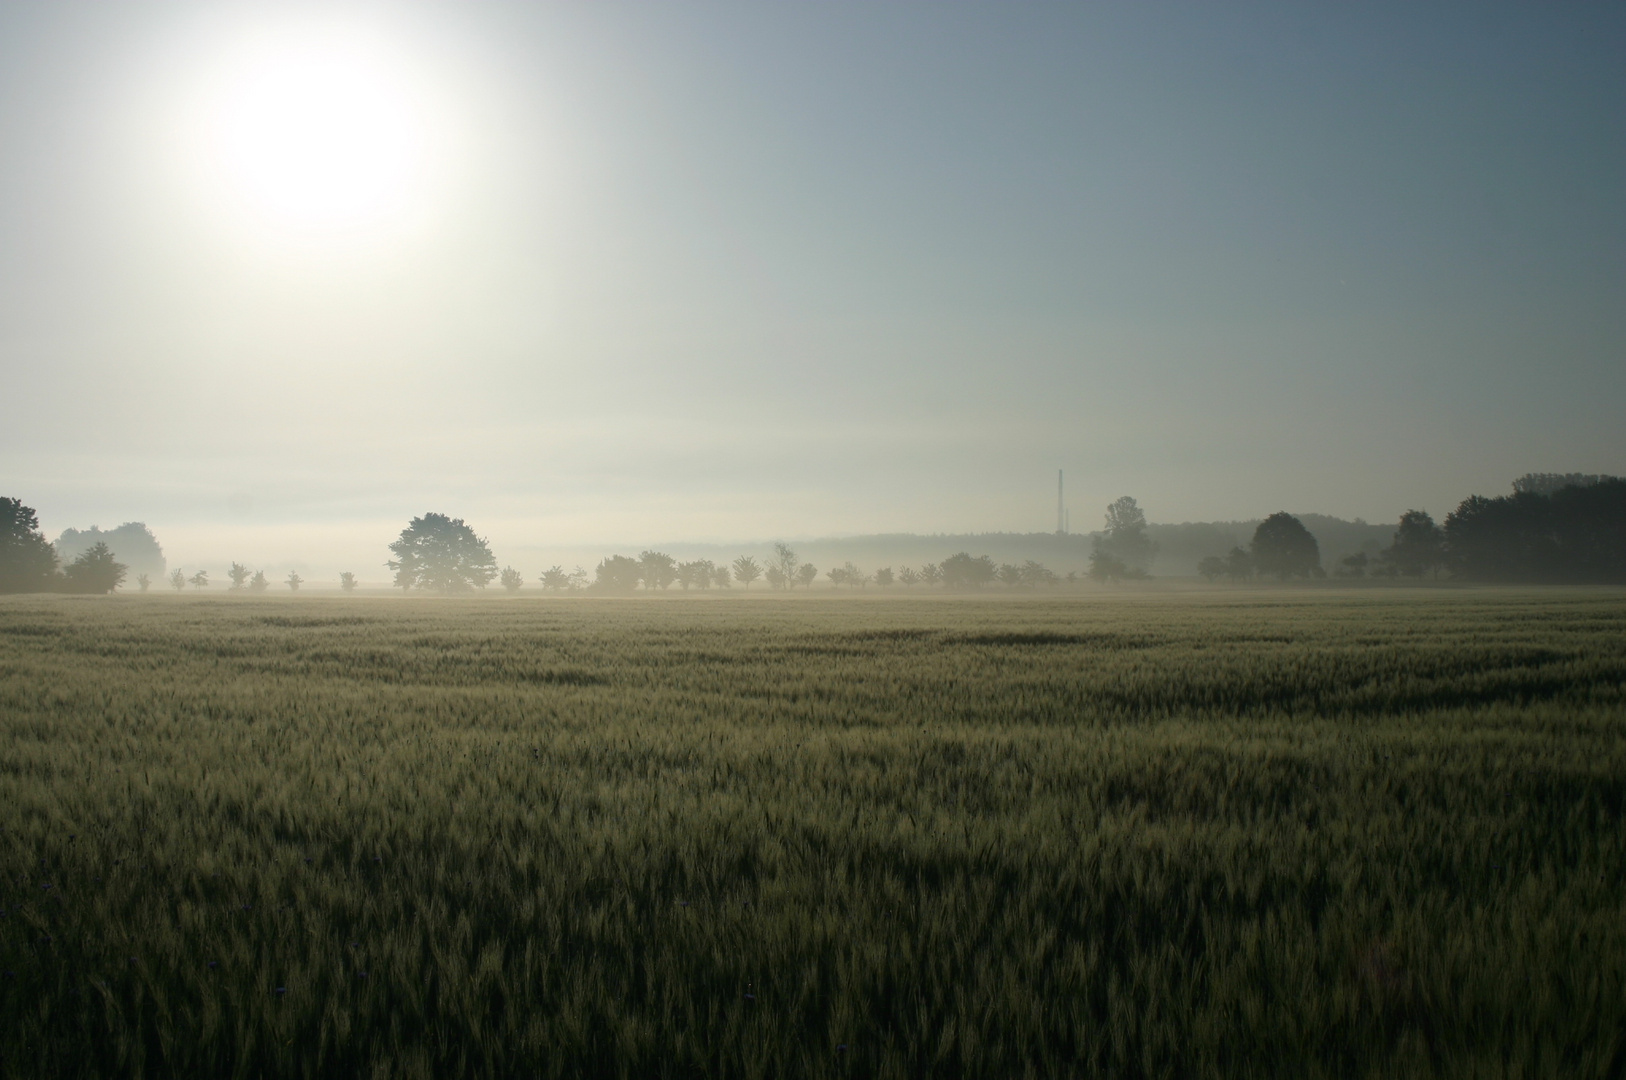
(319, 135)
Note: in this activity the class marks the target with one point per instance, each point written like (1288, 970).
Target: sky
(275, 278)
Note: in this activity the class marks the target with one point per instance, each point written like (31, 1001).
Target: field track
(1257, 832)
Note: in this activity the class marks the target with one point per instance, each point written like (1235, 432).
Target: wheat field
(1223, 833)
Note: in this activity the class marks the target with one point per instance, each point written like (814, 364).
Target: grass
(1229, 833)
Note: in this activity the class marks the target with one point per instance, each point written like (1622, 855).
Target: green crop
(1232, 833)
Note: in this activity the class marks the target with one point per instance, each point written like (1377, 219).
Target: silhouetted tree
(883, 577)
(961, 571)
(294, 581)
(618, 574)
(1576, 535)
(1238, 565)
(1284, 547)
(28, 562)
(776, 577)
(554, 579)
(746, 570)
(909, 577)
(806, 574)
(1211, 568)
(721, 577)
(95, 571)
(347, 582)
(657, 569)
(177, 579)
(932, 574)
(239, 575)
(1125, 535)
(511, 580)
(1547, 483)
(259, 583)
(1009, 574)
(441, 554)
(1418, 547)
(200, 580)
(143, 582)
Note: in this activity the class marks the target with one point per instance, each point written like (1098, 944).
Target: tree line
(1554, 528)
(437, 553)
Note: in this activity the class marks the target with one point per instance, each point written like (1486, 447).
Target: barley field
(1227, 833)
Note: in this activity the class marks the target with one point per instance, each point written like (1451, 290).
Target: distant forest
(132, 544)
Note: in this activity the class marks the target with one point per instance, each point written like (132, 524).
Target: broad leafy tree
(849, 575)
(143, 582)
(177, 579)
(884, 577)
(554, 579)
(95, 571)
(932, 574)
(1576, 534)
(347, 582)
(618, 574)
(1035, 573)
(776, 577)
(908, 577)
(200, 580)
(437, 553)
(746, 570)
(132, 544)
(961, 571)
(696, 574)
(293, 581)
(511, 580)
(1125, 536)
(239, 575)
(1238, 565)
(27, 560)
(656, 569)
(1418, 547)
(1105, 566)
(1282, 547)
(259, 582)
(721, 577)
(806, 574)
(1211, 567)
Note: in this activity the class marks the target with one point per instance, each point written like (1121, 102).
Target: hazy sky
(275, 278)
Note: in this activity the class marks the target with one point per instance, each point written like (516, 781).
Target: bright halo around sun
(320, 136)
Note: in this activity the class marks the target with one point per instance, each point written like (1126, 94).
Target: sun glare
(319, 136)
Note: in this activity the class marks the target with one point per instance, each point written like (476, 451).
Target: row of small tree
(243, 580)
(436, 553)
